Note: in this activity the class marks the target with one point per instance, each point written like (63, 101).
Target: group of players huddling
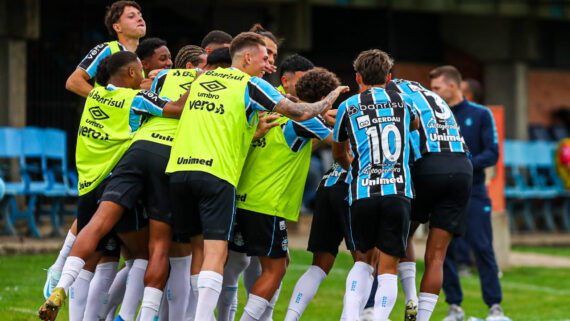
(192, 180)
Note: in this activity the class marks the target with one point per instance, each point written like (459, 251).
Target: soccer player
(154, 54)
(190, 57)
(268, 197)
(330, 218)
(292, 68)
(376, 122)
(216, 39)
(111, 115)
(210, 147)
(478, 129)
(124, 21)
(272, 44)
(442, 193)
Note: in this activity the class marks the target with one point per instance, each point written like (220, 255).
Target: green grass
(559, 251)
(529, 293)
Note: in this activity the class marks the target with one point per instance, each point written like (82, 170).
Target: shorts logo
(111, 245)
(363, 121)
(212, 86)
(282, 225)
(238, 239)
(285, 244)
(98, 113)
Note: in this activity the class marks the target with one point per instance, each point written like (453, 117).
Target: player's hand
(269, 69)
(153, 73)
(292, 98)
(333, 95)
(146, 83)
(330, 117)
(266, 122)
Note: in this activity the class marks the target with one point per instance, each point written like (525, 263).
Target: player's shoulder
(478, 108)
(98, 48)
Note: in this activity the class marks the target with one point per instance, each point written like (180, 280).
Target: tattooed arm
(305, 111)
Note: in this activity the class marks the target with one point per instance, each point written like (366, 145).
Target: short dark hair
(449, 72)
(189, 53)
(295, 63)
(216, 36)
(109, 65)
(220, 57)
(114, 13)
(316, 84)
(475, 89)
(147, 47)
(373, 65)
(244, 40)
(258, 28)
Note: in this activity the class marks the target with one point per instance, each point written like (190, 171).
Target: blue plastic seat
(516, 162)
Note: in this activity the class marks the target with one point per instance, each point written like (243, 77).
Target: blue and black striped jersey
(335, 175)
(377, 124)
(298, 134)
(438, 131)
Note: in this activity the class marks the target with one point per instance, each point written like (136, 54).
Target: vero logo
(97, 113)
(212, 86)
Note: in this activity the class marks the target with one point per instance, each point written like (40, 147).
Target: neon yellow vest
(281, 89)
(162, 130)
(104, 135)
(273, 177)
(213, 135)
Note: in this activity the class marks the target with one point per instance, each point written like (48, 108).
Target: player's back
(439, 131)
(377, 123)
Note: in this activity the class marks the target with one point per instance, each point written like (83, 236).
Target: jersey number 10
(385, 132)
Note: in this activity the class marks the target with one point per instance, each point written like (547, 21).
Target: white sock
(99, 288)
(64, 252)
(163, 312)
(178, 287)
(70, 271)
(193, 302)
(151, 304)
(209, 288)
(407, 275)
(254, 308)
(268, 314)
(426, 305)
(358, 284)
(116, 293)
(134, 290)
(251, 273)
(304, 291)
(386, 296)
(78, 295)
(236, 264)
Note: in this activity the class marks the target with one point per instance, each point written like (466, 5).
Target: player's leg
(392, 233)
(79, 290)
(54, 271)
(117, 290)
(178, 285)
(407, 274)
(105, 273)
(251, 273)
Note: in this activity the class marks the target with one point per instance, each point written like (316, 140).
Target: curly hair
(316, 84)
(114, 13)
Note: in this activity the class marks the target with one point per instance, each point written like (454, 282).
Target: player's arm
(414, 113)
(305, 111)
(341, 154)
(489, 139)
(149, 103)
(78, 83)
(174, 108)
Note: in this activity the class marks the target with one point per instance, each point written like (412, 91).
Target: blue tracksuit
(480, 134)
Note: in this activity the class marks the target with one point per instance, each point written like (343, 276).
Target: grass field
(558, 251)
(529, 293)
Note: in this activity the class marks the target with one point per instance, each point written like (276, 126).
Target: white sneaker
(367, 314)
(496, 314)
(51, 281)
(454, 313)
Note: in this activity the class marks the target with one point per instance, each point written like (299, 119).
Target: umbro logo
(186, 86)
(212, 86)
(98, 113)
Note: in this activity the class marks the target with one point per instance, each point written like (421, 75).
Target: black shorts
(442, 192)
(139, 177)
(330, 220)
(382, 222)
(87, 205)
(258, 234)
(202, 204)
